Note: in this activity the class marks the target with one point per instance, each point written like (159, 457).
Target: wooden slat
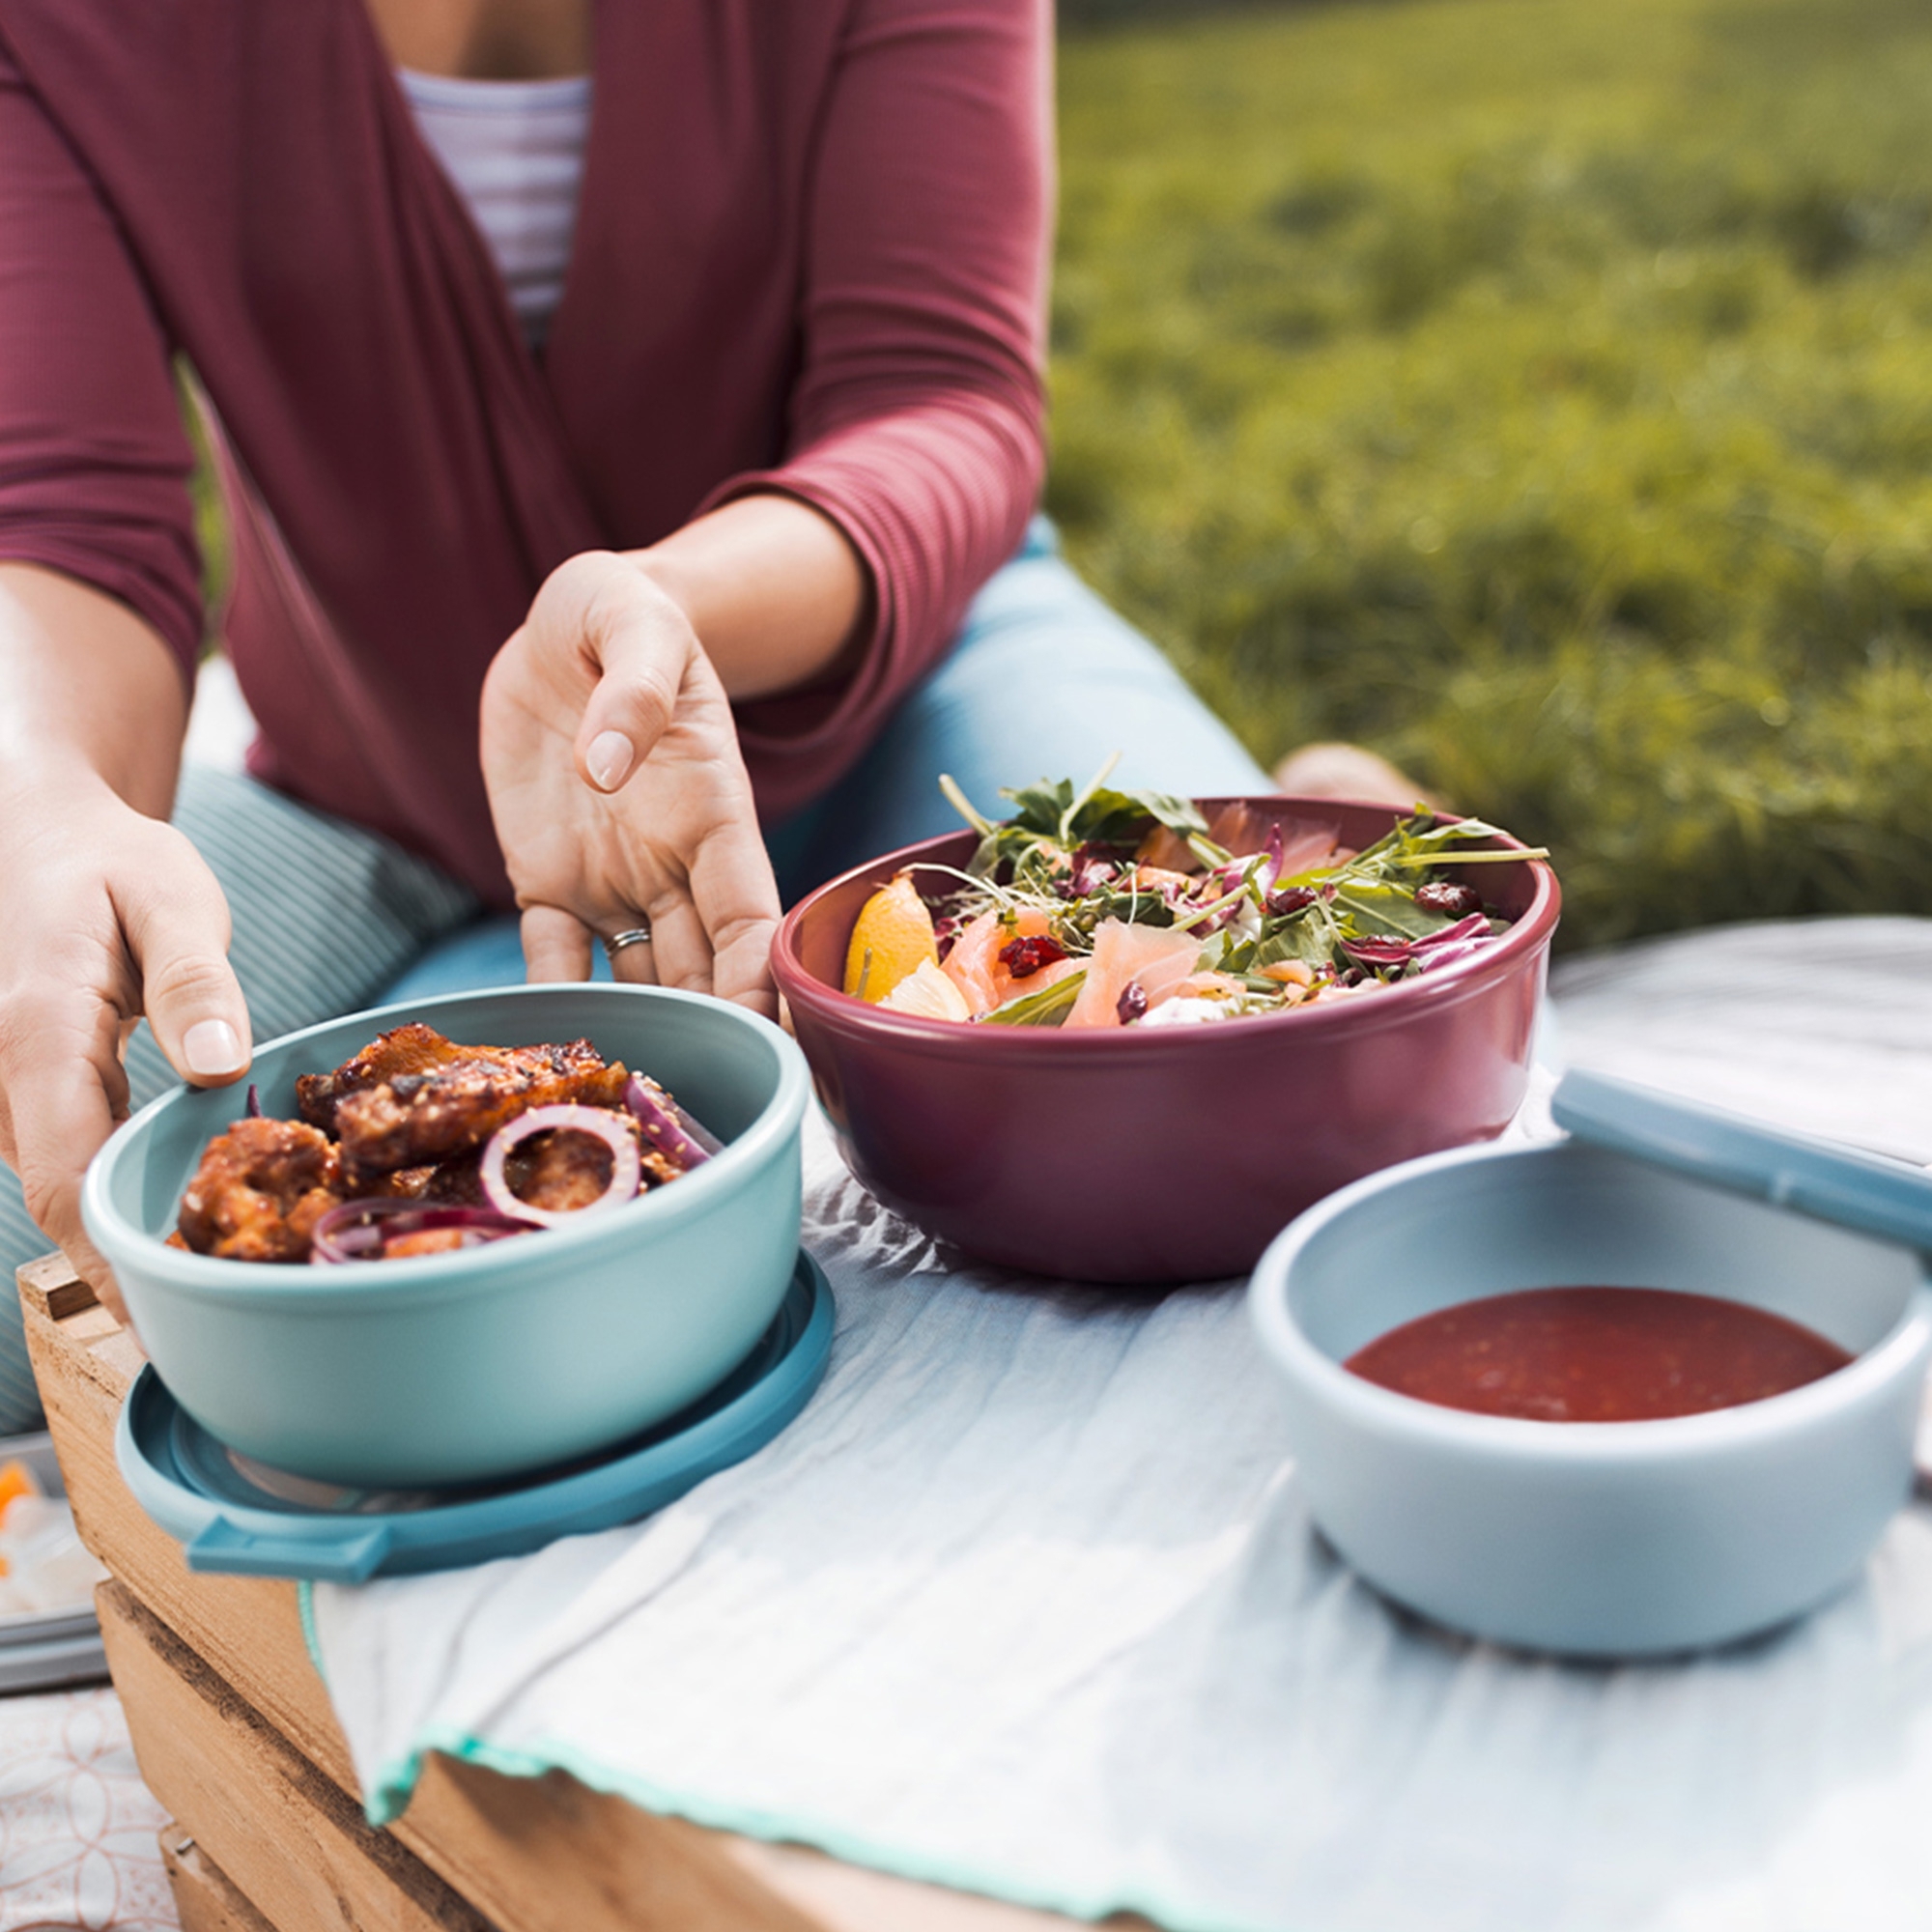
(51, 1288)
(544, 1855)
(289, 1838)
(206, 1899)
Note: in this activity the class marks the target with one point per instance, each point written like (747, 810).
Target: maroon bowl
(1174, 1154)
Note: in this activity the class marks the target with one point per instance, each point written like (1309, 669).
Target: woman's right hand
(105, 915)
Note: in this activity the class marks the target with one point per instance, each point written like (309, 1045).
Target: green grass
(1538, 391)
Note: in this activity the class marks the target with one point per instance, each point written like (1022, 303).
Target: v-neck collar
(399, 105)
(556, 509)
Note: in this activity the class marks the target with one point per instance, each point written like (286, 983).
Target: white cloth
(514, 149)
(1824, 1024)
(1027, 1601)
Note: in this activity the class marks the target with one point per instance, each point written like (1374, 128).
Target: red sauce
(1597, 1354)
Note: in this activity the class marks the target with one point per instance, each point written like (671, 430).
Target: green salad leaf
(1044, 1007)
(1070, 852)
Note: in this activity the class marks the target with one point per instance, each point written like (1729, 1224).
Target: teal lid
(235, 1517)
(1826, 1179)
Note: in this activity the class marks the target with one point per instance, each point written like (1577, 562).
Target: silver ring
(632, 935)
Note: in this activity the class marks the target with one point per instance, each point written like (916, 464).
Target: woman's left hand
(619, 793)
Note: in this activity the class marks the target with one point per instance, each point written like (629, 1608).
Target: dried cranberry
(944, 932)
(1448, 897)
(1024, 958)
(1132, 1003)
(1291, 899)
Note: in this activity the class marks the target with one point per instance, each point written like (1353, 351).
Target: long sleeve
(93, 461)
(809, 258)
(914, 421)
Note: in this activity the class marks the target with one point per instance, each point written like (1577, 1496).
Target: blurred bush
(1539, 392)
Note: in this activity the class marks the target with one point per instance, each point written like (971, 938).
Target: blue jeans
(1043, 682)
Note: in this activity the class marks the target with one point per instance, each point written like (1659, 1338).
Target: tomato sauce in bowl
(1597, 1354)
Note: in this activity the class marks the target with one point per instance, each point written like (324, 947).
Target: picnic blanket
(1029, 1601)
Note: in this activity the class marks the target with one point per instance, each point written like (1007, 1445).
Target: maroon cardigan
(810, 256)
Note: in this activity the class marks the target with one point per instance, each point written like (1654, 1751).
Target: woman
(719, 404)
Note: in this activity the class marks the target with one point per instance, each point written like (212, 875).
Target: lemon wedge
(891, 941)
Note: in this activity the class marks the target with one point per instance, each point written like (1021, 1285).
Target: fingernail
(213, 1047)
(609, 759)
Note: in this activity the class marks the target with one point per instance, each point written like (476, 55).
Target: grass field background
(1538, 391)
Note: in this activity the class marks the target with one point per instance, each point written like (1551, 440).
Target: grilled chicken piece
(413, 1097)
(258, 1191)
(415, 1048)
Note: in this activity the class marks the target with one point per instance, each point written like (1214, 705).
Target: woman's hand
(618, 791)
(108, 914)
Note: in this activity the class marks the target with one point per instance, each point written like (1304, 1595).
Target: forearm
(772, 588)
(86, 689)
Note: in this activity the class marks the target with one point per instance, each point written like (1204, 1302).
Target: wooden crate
(237, 1739)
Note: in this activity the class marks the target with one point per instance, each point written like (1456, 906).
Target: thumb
(176, 924)
(640, 642)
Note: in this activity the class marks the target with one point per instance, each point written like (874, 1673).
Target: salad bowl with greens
(1100, 908)
(1121, 1037)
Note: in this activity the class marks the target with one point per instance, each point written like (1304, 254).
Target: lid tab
(1826, 1179)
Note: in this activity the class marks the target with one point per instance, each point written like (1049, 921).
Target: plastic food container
(457, 1368)
(1171, 1154)
(1599, 1539)
(57, 1641)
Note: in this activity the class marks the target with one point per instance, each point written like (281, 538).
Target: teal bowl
(1593, 1539)
(467, 1367)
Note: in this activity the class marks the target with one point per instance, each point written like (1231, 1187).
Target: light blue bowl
(1595, 1538)
(456, 1368)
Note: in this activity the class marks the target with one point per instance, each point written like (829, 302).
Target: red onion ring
(361, 1231)
(667, 1126)
(599, 1123)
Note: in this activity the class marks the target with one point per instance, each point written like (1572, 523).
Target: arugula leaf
(1130, 908)
(1416, 842)
(1309, 939)
(1037, 1009)
(1108, 818)
(1038, 809)
(1219, 949)
(1098, 813)
(1379, 911)
(1067, 818)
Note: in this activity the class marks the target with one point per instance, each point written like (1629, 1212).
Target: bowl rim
(494, 1262)
(1388, 1413)
(1392, 1006)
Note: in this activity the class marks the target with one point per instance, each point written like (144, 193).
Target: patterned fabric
(78, 1845)
(325, 916)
